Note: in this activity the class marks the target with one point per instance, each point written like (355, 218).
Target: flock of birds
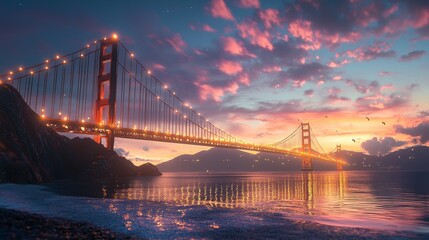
(367, 118)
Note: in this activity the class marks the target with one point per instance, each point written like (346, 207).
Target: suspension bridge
(104, 91)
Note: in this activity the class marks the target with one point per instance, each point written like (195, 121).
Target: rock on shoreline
(22, 225)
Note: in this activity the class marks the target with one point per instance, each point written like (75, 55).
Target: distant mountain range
(231, 160)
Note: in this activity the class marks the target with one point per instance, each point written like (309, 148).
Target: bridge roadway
(97, 129)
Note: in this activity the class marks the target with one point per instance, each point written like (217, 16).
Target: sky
(256, 68)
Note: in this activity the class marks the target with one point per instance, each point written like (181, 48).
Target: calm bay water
(199, 205)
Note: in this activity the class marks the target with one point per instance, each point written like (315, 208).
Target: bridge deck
(95, 129)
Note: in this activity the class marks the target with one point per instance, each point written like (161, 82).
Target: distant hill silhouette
(31, 152)
(231, 160)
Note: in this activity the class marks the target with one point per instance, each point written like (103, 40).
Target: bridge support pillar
(337, 153)
(307, 164)
(105, 105)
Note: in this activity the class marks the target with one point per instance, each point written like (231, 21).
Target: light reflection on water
(383, 200)
(297, 191)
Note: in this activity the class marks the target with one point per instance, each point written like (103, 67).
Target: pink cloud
(244, 79)
(377, 50)
(269, 17)
(313, 39)
(230, 67)
(218, 9)
(250, 30)
(284, 37)
(421, 19)
(177, 43)
(298, 83)
(232, 88)
(385, 74)
(207, 28)
(234, 47)
(198, 52)
(271, 69)
(302, 29)
(387, 87)
(248, 3)
(159, 67)
(207, 91)
(394, 8)
(204, 27)
(418, 19)
(380, 101)
(367, 14)
(334, 90)
(336, 78)
(333, 96)
(333, 64)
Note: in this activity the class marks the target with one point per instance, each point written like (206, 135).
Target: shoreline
(16, 224)
(23, 225)
(30, 212)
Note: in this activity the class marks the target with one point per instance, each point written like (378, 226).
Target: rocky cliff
(30, 152)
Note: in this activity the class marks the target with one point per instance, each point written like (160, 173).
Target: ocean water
(290, 205)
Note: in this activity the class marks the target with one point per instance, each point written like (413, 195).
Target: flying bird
(326, 116)
(383, 123)
(367, 118)
(353, 140)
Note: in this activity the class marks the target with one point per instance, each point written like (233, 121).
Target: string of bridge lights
(62, 60)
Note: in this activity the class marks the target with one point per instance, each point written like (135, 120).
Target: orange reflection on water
(296, 192)
(339, 198)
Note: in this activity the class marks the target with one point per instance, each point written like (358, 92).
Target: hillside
(231, 160)
(30, 152)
